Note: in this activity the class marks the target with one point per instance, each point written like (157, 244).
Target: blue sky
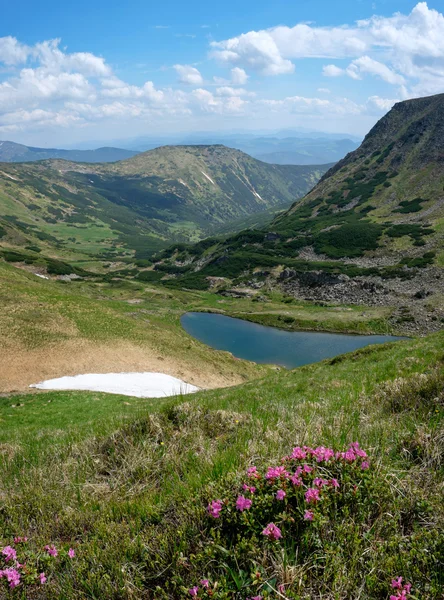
(96, 70)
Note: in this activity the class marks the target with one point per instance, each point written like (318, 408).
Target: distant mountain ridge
(12, 152)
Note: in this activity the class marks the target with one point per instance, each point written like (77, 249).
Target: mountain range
(378, 215)
(281, 147)
(141, 204)
(12, 152)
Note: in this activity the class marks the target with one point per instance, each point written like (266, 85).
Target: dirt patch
(20, 367)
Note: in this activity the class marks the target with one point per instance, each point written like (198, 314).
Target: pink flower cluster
(214, 508)
(12, 576)
(195, 589)
(14, 570)
(272, 532)
(283, 479)
(402, 590)
(243, 503)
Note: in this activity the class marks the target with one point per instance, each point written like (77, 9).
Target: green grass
(127, 484)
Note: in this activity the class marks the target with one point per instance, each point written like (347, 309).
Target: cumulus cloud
(380, 105)
(238, 76)
(189, 75)
(409, 49)
(12, 52)
(332, 71)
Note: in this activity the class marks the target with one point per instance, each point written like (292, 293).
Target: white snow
(41, 276)
(257, 195)
(208, 177)
(10, 176)
(141, 385)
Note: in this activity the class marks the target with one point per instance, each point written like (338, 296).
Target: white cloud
(222, 104)
(230, 91)
(332, 71)
(189, 75)
(401, 49)
(380, 105)
(365, 64)
(238, 76)
(12, 52)
(324, 91)
(116, 88)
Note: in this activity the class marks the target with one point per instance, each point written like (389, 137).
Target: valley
(104, 271)
(129, 209)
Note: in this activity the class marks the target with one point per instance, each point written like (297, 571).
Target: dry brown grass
(20, 367)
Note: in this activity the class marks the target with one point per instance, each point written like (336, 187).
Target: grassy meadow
(125, 482)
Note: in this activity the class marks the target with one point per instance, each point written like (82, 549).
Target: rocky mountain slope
(140, 204)
(371, 231)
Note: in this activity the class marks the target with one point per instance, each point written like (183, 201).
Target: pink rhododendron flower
(280, 495)
(42, 578)
(350, 456)
(71, 553)
(323, 454)
(281, 588)
(308, 515)
(296, 480)
(272, 531)
(402, 591)
(249, 488)
(298, 453)
(205, 583)
(214, 508)
(252, 472)
(243, 503)
(365, 465)
(319, 482)
(276, 473)
(9, 553)
(334, 483)
(12, 576)
(20, 540)
(256, 598)
(51, 550)
(193, 591)
(357, 450)
(307, 469)
(312, 495)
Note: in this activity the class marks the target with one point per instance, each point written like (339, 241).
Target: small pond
(270, 345)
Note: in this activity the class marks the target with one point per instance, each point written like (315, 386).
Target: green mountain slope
(387, 197)
(141, 204)
(12, 152)
(376, 217)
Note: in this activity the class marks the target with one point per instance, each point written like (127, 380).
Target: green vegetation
(126, 482)
(74, 211)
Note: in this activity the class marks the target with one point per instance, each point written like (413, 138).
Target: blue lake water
(270, 345)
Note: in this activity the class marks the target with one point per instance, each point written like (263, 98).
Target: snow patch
(41, 276)
(10, 176)
(208, 177)
(140, 385)
(257, 195)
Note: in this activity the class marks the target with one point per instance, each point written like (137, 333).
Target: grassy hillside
(77, 211)
(386, 198)
(125, 483)
(376, 217)
(53, 328)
